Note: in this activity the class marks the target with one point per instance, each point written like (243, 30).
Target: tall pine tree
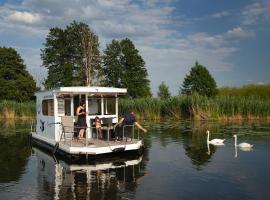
(199, 80)
(124, 67)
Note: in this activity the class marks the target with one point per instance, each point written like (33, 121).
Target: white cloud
(203, 39)
(220, 14)
(258, 11)
(238, 33)
(24, 17)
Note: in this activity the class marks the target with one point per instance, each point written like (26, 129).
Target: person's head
(82, 103)
(97, 119)
(131, 112)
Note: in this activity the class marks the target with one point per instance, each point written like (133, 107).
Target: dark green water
(176, 164)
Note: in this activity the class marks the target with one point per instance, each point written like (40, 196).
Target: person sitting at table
(97, 124)
(127, 121)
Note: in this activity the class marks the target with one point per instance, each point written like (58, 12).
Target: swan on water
(243, 146)
(214, 141)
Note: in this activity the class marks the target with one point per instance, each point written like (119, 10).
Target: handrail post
(86, 137)
(108, 134)
(132, 132)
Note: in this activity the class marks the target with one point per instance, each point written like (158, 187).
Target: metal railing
(74, 130)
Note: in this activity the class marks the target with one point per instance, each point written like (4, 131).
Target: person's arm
(140, 127)
(78, 111)
(120, 122)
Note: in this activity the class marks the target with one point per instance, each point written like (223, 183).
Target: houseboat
(56, 128)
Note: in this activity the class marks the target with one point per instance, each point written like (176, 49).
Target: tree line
(73, 58)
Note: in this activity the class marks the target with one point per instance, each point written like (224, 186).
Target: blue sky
(230, 37)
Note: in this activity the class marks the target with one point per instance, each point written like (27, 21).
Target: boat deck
(97, 142)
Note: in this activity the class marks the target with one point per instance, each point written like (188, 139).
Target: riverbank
(15, 110)
(193, 107)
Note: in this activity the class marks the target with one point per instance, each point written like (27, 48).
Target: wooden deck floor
(96, 142)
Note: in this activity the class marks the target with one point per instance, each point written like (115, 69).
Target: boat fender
(56, 146)
(119, 149)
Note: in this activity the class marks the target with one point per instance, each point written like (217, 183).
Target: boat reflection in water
(103, 180)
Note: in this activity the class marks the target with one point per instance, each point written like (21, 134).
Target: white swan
(243, 146)
(214, 141)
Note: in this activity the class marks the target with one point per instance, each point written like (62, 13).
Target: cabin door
(76, 101)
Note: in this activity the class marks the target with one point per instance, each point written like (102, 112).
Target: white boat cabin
(56, 128)
(54, 106)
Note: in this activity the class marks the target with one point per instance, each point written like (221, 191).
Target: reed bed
(198, 107)
(261, 91)
(179, 107)
(12, 109)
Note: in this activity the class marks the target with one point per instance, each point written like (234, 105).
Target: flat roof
(85, 89)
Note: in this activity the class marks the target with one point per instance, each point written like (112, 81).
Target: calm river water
(176, 164)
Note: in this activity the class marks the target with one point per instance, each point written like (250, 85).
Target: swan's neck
(208, 148)
(207, 137)
(235, 141)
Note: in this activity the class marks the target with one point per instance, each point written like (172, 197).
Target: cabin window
(47, 107)
(64, 107)
(94, 106)
(67, 107)
(109, 106)
(61, 104)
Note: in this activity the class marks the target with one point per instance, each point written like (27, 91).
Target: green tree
(71, 56)
(16, 83)
(163, 91)
(124, 67)
(199, 80)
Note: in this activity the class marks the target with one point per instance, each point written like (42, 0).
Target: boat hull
(90, 152)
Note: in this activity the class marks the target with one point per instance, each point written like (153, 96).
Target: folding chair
(67, 123)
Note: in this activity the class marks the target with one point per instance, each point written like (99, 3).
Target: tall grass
(179, 107)
(261, 91)
(12, 109)
(198, 107)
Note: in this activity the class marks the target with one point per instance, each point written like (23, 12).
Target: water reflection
(197, 148)
(110, 180)
(177, 161)
(14, 153)
(188, 134)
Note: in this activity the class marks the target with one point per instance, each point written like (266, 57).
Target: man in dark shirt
(127, 121)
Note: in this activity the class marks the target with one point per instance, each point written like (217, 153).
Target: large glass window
(48, 107)
(109, 106)
(94, 106)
